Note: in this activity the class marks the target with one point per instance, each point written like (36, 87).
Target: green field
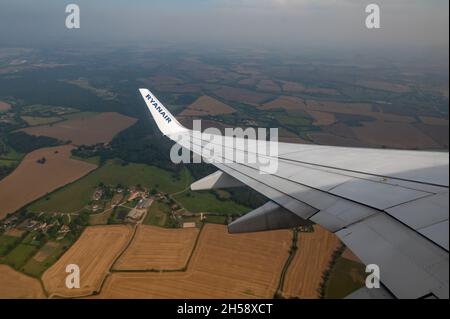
(36, 268)
(205, 201)
(157, 214)
(288, 119)
(118, 215)
(19, 255)
(345, 277)
(12, 156)
(78, 194)
(6, 243)
(79, 115)
(100, 218)
(38, 120)
(41, 110)
(93, 160)
(216, 219)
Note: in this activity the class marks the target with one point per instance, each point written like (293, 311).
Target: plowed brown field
(86, 130)
(31, 180)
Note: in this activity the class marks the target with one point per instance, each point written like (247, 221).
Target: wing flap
(270, 216)
(403, 256)
(216, 180)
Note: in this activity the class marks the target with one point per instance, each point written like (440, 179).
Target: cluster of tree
(326, 274)
(247, 197)
(138, 144)
(3, 147)
(25, 143)
(77, 225)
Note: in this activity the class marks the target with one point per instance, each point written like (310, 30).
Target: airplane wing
(390, 207)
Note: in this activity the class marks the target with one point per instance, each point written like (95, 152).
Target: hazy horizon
(413, 26)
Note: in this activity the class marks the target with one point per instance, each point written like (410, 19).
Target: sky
(284, 24)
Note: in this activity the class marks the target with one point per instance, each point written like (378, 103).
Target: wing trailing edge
(216, 180)
(269, 216)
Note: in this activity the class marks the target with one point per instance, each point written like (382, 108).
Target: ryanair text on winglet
(158, 108)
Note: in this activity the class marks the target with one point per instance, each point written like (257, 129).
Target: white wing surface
(390, 207)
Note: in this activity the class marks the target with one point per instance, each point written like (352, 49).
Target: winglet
(166, 122)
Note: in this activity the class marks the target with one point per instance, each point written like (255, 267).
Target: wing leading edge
(389, 207)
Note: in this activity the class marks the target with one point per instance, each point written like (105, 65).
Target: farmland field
(4, 106)
(205, 201)
(156, 248)
(75, 196)
(394, 135)
(241, 95)
(38, 120)
(17, 285)
(289, 103)
(31, 180)
(45, 257)
(322, 118)
(157, 214)
(345, 277)
(310, 261)
(94, 252)
(222, 266)
(434, 120)
(19, 255)
(206, 105)
(89, 129)
(6, 242)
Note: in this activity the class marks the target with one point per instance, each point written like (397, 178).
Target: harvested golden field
(241, 95)
(312, 258)
(289, 103)
(157, 248)
(14, 284)
(394, 135)
(322, 118)
(222, 266)
(433, 120)
(4, 106)
(289, 137)
(31, 180)
(439, 133)
(206, 105)
(385, 86)
(94, 252)
(89, 129)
